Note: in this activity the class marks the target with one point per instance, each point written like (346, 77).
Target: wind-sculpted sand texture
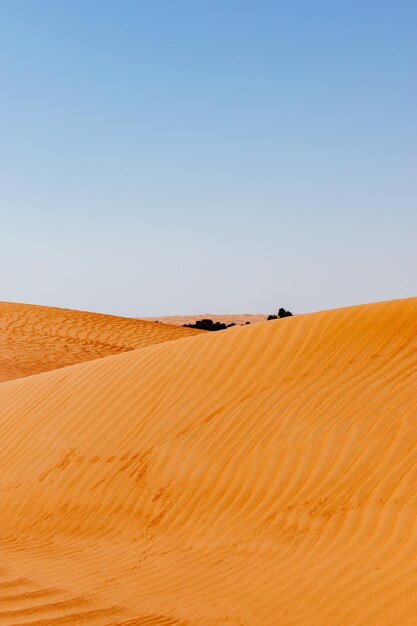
(262, 475)
(36, 339)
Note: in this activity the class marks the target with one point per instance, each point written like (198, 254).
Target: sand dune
(226, 318)
(36, 339)
(263, 475)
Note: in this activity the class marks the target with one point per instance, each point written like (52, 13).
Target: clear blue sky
(187, 156)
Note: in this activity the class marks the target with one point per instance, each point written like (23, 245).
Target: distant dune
(36, 339)
(264, 475)
(235, 318)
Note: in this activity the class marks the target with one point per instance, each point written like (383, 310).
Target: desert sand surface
(262, 475)
(36, 339)
(227, 318)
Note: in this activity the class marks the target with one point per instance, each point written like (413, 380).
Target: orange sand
(36, 339)
(263, 475)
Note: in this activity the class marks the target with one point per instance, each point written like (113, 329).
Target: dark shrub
(206, 324)
(281, 313)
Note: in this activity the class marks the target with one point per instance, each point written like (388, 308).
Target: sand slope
(36, 339)
(263, 475)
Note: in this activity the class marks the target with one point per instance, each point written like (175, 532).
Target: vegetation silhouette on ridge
(208, 324)
(281, 313)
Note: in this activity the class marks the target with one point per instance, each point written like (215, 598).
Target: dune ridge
(36, 339)
(225, 318)
(264, 475)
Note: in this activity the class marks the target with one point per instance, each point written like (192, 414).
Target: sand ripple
(263, 475)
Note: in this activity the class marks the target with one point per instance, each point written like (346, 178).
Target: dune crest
(225, 318)
(263, 475)
(36, 339)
